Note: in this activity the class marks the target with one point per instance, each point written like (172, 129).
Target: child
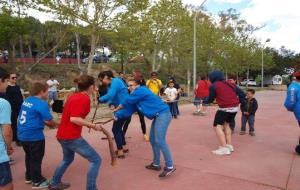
(34, 114)
(171, 93)
(248, 112)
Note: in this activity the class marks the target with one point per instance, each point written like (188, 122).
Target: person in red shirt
(201, 92)
(69, 136)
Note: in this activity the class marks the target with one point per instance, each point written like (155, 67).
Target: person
(232, 123)
(116, 92)
(248, 112)
(154, 84)
(201, 93)
(6, 149)
(52, 83)
(34, 114)
(292, 100)
(15, 99)
(179, 90)
(77, 107)
(153, 108)
(138, 76)
(228, 97)
(171, 93)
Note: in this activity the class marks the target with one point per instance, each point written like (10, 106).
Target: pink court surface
(264, 162)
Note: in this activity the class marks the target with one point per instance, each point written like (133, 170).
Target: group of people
(124, 97)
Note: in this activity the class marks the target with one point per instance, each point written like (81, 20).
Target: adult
(53, 84)
(154, 84)
(150, 105)
(76, 108)
(117, 91)
(228, 97)
(138, 76)
(5, 135)
(201, 93)
(292, 101)
(15, 99)
(232, 123)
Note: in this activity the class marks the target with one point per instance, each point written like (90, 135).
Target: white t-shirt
(52, 85)
(171, 93)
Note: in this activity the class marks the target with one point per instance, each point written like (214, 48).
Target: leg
(220, 134)
(14, 119)
(37, 150)
(26, 148)
(68, 157)
(219, 121)
(232, 125)
(160, 129)
(126, 124)
(154, 145)
(251, 120)
(142, 121)
(244, 122)
(118, 133)
(81, 147)
(5, 177)
(227, 131)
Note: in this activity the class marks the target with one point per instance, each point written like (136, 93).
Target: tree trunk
(248, 70)
(78, 51)
(122, 63)
(92, 51)
(154, 60)
(29, 50)
(21, 49)
(188, 75)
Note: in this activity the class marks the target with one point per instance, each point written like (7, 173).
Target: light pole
(262, 62)
(194, 48)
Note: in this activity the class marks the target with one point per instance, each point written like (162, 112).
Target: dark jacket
(249, 106)
(226, 94)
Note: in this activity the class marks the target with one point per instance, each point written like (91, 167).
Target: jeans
(80, 146)
(158, 133)
(34, 154)
(250, 119)
(173, 108)
(5, 174)
(118, 133)
(52, 95)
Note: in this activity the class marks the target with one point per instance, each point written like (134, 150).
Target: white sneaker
(222, 151)
(230, 147)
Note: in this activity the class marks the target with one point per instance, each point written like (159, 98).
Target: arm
(212, 95)
(255, 106)
(112, 91)
(291, 98)
(241, 95)
(136, 96)
(7, 136)
(81, 122)
(51, 123)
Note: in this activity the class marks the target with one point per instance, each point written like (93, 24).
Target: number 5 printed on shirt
(23, 117)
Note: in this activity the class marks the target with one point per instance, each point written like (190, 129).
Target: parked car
(97, 59)
(249, 82)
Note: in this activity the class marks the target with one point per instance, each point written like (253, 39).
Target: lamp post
(262, 62)
(194, 48)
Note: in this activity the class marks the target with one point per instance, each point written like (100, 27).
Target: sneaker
(242, 132)
(196, 112)
(11, 161)
(167, 172)
(222, 151)
(153, 167)
(41, 185)
(146, 137)
(59, 186)
(28, 181)
(252, 133)
(230, 147)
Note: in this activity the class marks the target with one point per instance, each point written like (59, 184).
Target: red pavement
(264, 162)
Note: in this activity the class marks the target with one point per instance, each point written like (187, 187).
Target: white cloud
(229, 1)
(281, 19)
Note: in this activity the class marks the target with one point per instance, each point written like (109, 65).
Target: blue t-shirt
(5, 113)
(34, 111)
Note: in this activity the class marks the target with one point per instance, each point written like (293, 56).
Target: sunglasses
(13, 77)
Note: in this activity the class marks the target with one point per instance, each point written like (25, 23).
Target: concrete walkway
(264, 162)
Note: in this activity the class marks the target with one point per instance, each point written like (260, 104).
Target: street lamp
(262, 62)
(194, 48)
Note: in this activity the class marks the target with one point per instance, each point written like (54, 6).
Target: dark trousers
(142, 121)
(173, 108)
(34, 154)
(118, 133)
(250, 119)
(14, 120)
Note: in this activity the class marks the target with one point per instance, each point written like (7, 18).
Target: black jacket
(249, 106)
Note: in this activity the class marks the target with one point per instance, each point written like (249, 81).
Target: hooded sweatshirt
(226, 94)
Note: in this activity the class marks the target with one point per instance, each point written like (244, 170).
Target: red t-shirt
(77, 105)
(203, 89)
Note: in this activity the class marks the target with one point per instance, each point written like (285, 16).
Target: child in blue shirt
(33, 116)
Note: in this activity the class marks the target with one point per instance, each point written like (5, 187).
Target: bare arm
(81, 122)
(7, 136)
(51, 123)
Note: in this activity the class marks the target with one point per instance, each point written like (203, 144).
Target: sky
(281, 18)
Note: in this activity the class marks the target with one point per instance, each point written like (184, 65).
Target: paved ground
(264, 162)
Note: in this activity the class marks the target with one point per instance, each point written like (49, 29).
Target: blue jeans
(118, 133)
(250, 119)
(80, 146)
(5, 174)
(52, 95)
(158, 133)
